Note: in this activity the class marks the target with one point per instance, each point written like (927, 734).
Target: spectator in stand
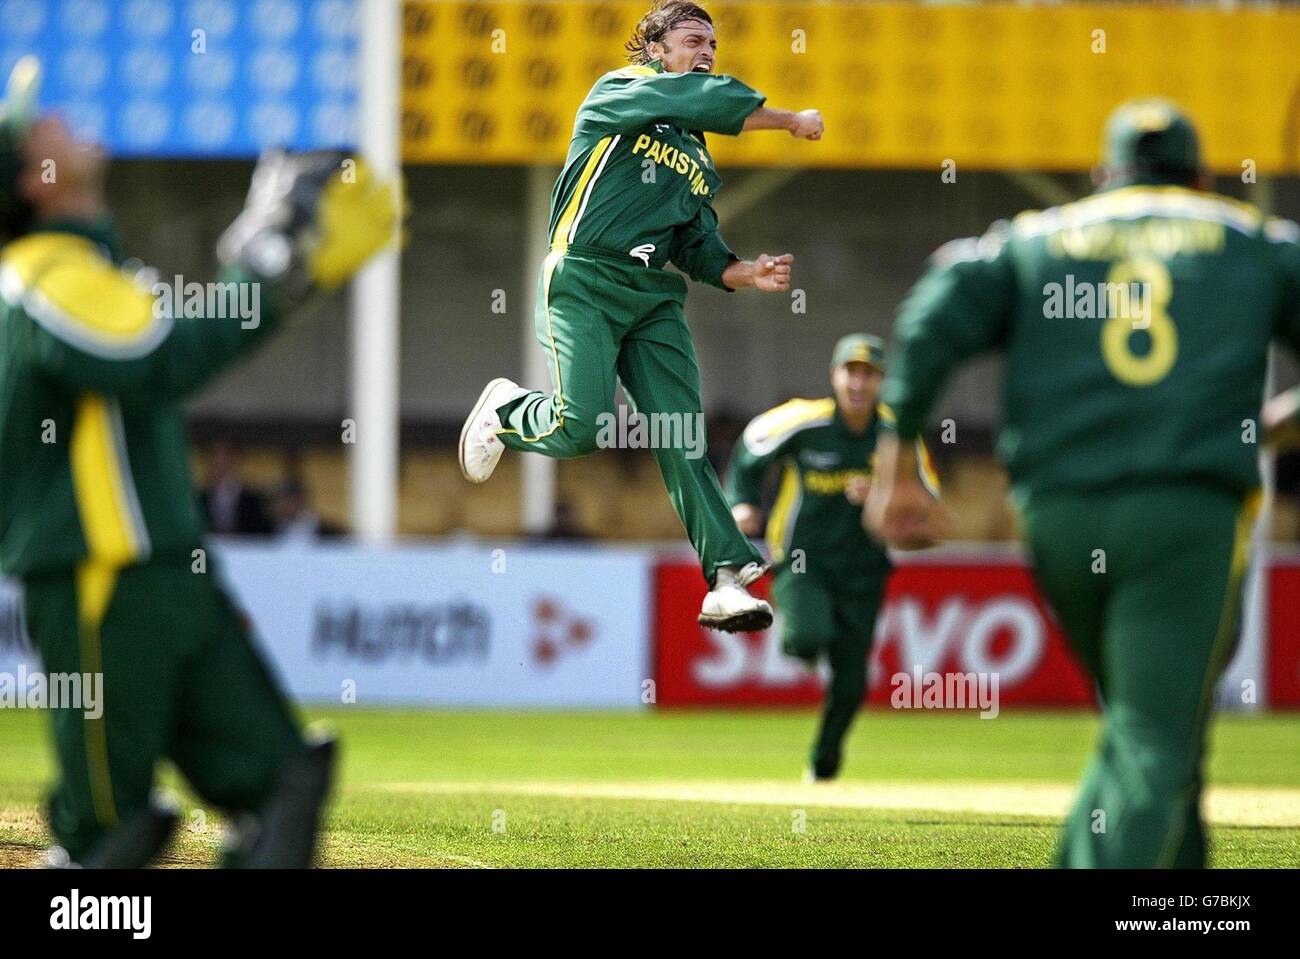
(229, 507)
(293, 516)
(565, 525)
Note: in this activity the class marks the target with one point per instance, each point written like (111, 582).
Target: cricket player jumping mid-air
(606, 305)
(1128, 438)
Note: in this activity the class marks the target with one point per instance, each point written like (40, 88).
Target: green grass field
(704, 788)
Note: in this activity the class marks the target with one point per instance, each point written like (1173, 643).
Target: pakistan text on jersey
(832, 482)
(678, 161)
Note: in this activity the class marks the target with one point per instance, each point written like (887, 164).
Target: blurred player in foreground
(1281, 420)
(635, 194)
(830, 574)
(1136, 324)
(98, 517)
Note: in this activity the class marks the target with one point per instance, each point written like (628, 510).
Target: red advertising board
(946, 617)
(1284, 633)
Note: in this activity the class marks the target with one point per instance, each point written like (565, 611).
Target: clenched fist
(772, 273)
(808, 125)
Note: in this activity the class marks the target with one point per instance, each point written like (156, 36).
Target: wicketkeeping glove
(311, 219)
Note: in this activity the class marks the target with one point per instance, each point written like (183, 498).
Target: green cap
(859, 348)
(17, 113)
(1151, 140)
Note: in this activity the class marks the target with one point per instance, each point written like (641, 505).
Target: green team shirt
(1169, 388)
(819, 455)
(92, 445)
(638, 180)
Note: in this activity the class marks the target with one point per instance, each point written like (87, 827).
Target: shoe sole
(810, 778)
(469, 420)
(751, 621)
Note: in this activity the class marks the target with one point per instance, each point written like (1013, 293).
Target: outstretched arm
(629, 99)
(310, 221)
(92, 328)
(806, 124)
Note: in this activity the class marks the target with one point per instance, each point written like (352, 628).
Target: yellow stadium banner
(987, 86)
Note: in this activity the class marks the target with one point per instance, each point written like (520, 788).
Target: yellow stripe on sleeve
(69, 287)
(784, 510)
(769, 430)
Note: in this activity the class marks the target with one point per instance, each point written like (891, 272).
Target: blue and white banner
(196, 78)
(444, 625)
(15, 647)
(455, 625)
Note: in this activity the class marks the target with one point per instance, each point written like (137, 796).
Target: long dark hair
(663, 16)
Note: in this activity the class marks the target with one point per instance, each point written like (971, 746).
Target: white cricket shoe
(480, 447)
(729, 607)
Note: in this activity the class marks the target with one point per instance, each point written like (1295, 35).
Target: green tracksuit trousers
(181, 680)
(601, 317)
(832, 614)
(1147, 584)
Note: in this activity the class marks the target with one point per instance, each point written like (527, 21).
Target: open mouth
(702, 68)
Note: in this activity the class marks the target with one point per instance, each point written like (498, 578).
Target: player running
(97, 515)
(636, 194)
(1130, 407)
(830, 574)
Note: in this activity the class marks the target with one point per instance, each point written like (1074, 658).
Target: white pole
(538, 474)
(1251, 662)
(375, 294)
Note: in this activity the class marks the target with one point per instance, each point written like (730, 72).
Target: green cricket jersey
(638, 181)
(1097, 391)
(92, 446)
(819, 455)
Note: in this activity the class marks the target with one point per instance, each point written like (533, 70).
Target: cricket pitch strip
(1223, 805)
